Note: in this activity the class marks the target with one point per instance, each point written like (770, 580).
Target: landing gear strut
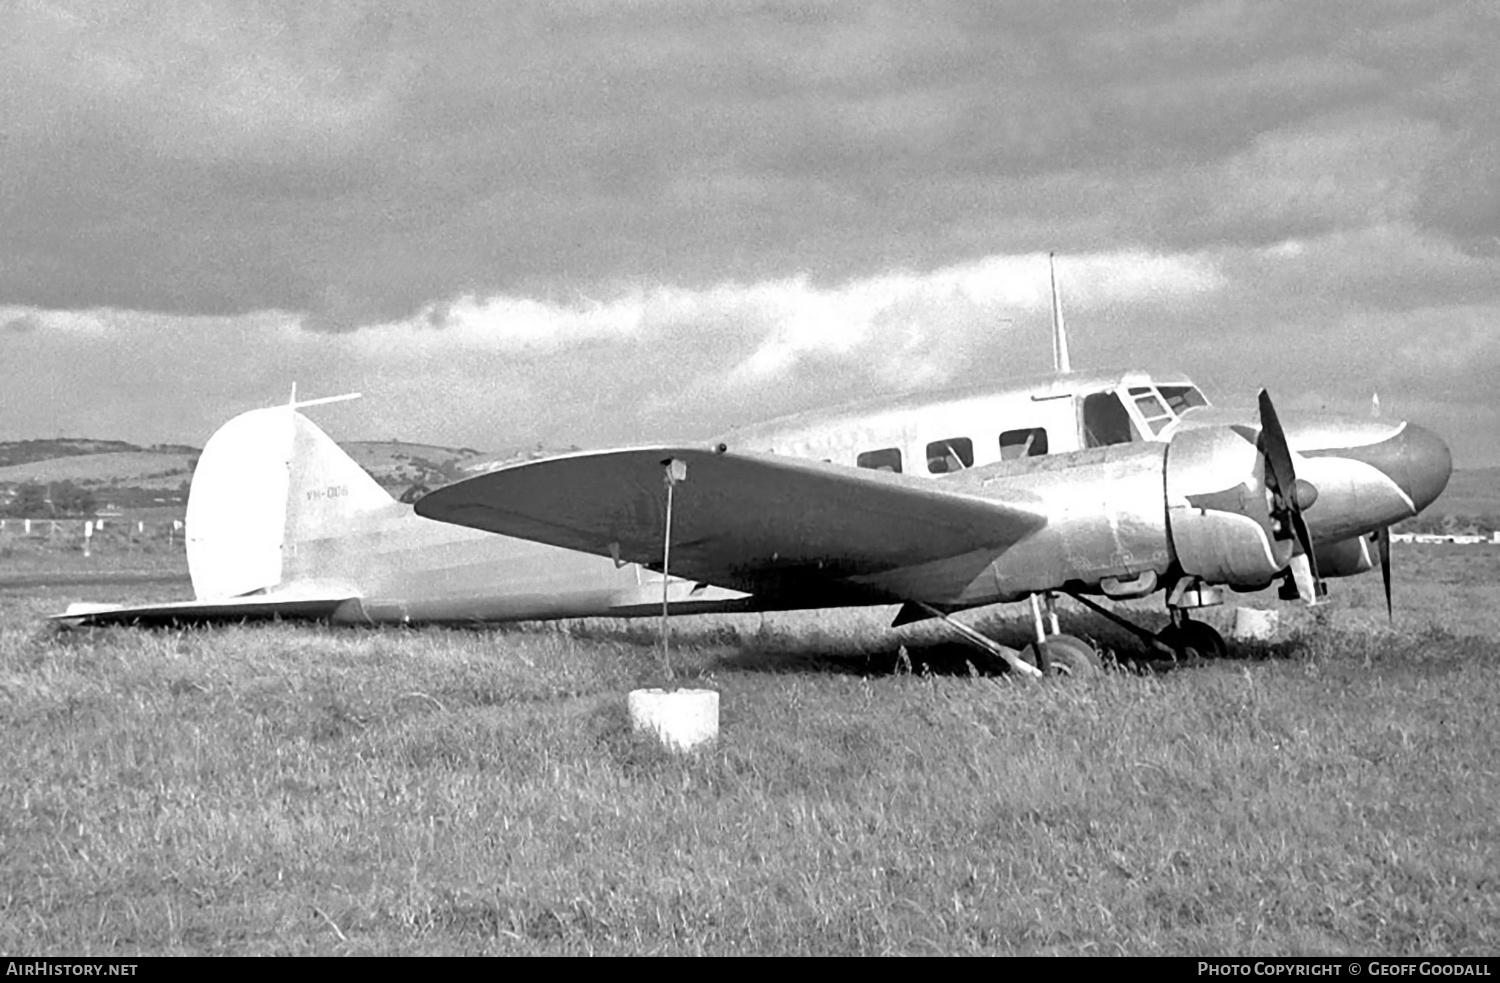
(1055, 653)
(1011, 656)
(1184, 638)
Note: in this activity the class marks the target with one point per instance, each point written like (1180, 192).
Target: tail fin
(266, 481)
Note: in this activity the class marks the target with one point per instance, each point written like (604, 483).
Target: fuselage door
(1104, 421)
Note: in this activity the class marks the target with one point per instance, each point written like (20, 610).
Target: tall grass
(293, 789)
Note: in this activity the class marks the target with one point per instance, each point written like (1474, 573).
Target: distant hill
(13, 452)
(489, 462)
(127, 475)
(398, 465)
(135, 467)
(118, 474)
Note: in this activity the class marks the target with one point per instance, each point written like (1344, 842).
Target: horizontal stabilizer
(742, 520)
(298, 605)
(297, 404)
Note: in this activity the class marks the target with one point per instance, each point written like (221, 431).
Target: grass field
(310, 790)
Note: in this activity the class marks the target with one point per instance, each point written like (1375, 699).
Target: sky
(613, 221)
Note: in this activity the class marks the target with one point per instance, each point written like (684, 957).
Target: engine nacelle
(1218, 509)
(1344, 558)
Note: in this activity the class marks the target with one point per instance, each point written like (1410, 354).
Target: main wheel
(1069, 656)
(1193, 639)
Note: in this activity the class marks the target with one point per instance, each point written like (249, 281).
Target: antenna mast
(1060, 360)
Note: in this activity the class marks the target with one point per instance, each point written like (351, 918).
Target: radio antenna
(1060, 361)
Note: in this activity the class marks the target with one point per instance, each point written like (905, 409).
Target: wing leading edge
(743, 520)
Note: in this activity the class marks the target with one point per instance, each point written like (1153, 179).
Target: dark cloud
(362, 161)
(25, 324)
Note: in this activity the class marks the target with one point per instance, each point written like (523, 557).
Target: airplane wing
(745, 520)
(253, 607)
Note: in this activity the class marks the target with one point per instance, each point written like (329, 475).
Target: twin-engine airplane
(1098, 485)
(1112, 484)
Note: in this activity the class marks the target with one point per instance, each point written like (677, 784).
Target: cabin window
(1182, 397)
(888, 459)
(953, 454)
(1106, 421)
(1023, 443)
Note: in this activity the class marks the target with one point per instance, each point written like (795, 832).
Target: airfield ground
(305, 789)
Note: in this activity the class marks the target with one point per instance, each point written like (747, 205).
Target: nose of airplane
(1421, 465)
(1368, 474)
(1415, 458)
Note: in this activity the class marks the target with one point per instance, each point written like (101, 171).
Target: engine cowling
(1218, 509)
(1344, 558)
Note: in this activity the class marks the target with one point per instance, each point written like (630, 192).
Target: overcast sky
(604, 221)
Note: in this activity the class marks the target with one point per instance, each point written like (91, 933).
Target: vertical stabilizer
(1060, 360)
(267, 481)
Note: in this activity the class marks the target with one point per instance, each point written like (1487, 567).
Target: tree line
(57, 499)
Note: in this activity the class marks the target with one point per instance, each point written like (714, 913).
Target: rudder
(327, 493)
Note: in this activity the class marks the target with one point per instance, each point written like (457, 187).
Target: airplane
(818, 510)
(1091, 484)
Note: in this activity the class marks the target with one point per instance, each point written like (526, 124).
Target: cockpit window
(1023, 443)
(1150, 405)
(1182, 397)
(887, 459)
(953, 454)
(1106, 421)
(1155, 414)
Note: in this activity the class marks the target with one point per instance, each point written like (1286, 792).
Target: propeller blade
(1302, 579)
(1383, 544)
(1304, 539)
(1274, 446)
(1283, 479)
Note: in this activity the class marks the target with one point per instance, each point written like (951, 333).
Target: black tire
(1068, 656)
(1194, 639)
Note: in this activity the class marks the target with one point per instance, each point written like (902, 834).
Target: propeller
(1383, 545)
(1290, 494)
